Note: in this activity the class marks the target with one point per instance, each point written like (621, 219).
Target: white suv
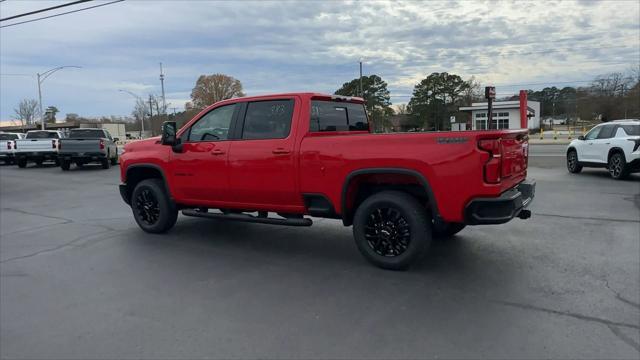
(614, 145)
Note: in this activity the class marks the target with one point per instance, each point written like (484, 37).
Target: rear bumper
(88, 156)
(37, 155)
(503, 208)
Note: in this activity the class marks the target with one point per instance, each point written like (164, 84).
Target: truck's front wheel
(22, 163)
(392, 229)
(153, 210)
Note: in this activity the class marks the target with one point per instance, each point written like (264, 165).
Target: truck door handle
(217, 152)
(281, 151)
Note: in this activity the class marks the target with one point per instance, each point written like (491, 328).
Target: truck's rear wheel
(153, 210)
(22, 163)
(392, 229)
(65, 165)
(105, 163)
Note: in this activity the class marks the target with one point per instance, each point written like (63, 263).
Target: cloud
(276, 46)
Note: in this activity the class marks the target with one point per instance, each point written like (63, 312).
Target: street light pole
(41, 78)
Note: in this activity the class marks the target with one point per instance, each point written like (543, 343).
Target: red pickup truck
(276, 159)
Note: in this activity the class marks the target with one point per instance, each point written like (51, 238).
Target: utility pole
(40, 102)
(361, 89)
(150, 109)
(164, 101)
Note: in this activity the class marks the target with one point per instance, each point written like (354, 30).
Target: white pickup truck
(7, 148)
(38, 146)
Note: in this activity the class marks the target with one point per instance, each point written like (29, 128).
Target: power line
(43, 10)
(64, 13)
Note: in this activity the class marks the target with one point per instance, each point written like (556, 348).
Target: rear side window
(631, 130)
(337, 116)
(42, 135)
(606, 132)
(86, 134)
(8, 136)
(268, 120)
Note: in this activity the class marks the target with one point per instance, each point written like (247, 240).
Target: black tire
(105, 162)
(444, 230)
(392, 229)
(65, 165)
(573, 165)
(152, 209)
(79, 164)
(39, 162)
(22, 163)
(617, 166)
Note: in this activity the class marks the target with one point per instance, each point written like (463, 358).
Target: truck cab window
(337, 116)
(214, 126)
(268, 120)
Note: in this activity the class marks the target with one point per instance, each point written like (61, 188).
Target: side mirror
(116, 139)
(581, 137)
(168, 133)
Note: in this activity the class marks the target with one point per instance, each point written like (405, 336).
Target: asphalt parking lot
(78, 279)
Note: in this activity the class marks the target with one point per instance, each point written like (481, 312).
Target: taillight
(59, 145)
(53, 144)
(493, 167)
(101, 144)
(8, 145)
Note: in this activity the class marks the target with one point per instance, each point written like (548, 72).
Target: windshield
(86, 134)
(8, 136)
(42, 135)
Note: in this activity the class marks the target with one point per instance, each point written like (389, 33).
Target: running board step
(250, 218)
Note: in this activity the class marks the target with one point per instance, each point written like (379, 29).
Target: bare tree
(401, 109)
(472, 93)
(139, 111)
(27, 111)
(210, 89)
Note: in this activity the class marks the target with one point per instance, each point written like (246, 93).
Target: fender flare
(346, 215)
(149, 166)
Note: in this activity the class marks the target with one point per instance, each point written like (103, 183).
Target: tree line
(434, 100)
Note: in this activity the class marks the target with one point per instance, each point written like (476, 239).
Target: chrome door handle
(217, 152)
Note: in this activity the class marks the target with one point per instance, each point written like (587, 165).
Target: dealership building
(506, 115)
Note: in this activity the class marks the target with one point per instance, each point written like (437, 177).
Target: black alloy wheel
(147, 207)
(387, 232)
(153, 209)
(392, 229)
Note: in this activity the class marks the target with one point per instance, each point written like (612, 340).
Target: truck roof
(302, 94)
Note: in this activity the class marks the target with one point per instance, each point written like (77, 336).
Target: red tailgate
(515, 156)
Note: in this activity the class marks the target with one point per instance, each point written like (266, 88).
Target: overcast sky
(311, 46)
